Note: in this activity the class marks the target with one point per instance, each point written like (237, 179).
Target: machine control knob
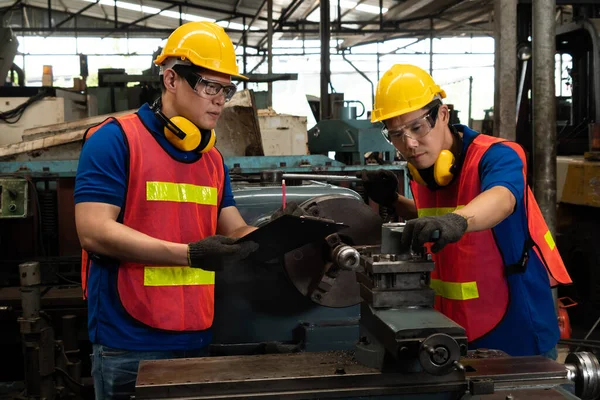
(439, 354)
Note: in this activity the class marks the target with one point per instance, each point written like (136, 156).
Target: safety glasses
(204, 87)
(416, 129)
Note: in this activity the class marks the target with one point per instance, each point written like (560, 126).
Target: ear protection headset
(443, 171)
(183, 134)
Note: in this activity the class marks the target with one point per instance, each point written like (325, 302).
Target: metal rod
(431, 47)
(470, 99)
(244, 54)
(378, 55)
(270, 52)
(325, 35)
(339, 10)
(316, 177)
(544, 110)
(521, 88)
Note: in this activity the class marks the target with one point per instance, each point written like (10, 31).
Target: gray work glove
(290, 208)
(214, 252)
(381, 186)
(448, 228)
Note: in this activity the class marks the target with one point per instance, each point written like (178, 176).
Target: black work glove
(291, 208)
(212, 253)
(448, 228)
(381, 186)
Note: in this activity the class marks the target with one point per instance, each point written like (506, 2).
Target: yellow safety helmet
(402, 89)
(204, 44)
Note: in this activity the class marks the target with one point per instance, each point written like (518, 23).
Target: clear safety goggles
(416, 129)
(204, 87)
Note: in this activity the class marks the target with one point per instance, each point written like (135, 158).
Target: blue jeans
(115, 371)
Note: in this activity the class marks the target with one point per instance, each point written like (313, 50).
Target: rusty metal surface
(327, 375)
(306, 264)
(299, 375)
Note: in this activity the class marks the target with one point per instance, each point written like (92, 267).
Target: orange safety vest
(172, 201)
(470, 276)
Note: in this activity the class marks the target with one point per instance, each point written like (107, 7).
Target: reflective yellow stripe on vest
(177, 276)
(181, 193)
(550, 240)
(436, 212)
(455, 290)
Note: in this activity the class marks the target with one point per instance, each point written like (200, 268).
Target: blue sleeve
(502, 166)
(228, 200)
(102, 170)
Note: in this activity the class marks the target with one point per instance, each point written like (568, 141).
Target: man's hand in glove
(291, 208)
(450, 227)
(214, 252)
(381, 186)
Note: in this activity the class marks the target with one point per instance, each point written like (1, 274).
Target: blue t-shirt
(102, 177)
(531, 308)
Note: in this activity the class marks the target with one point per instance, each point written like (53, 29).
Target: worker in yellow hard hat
(156, 216)
(495, 258)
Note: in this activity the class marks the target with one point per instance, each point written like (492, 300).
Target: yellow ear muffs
(186, 136)
(191, 137)
(443, 169)
(212, 138)
(414, 173)
(183, 134)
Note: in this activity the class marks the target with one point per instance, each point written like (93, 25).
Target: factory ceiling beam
(464, 24)
(285, 14)
(13, 6)
(310, 10)
(401, 11)
(445, 28)
(214, 9)
(142, 29)
(237, 4)
(245, 33)
(141, 19)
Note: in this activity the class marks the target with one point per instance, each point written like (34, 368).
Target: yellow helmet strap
(445, 169)
(190, 138)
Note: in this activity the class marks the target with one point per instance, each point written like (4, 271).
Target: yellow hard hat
(402, 89)
(204, 44)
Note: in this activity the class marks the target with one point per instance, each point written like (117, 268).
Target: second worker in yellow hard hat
(495, 259)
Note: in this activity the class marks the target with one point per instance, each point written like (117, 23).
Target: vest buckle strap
(521, 266)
